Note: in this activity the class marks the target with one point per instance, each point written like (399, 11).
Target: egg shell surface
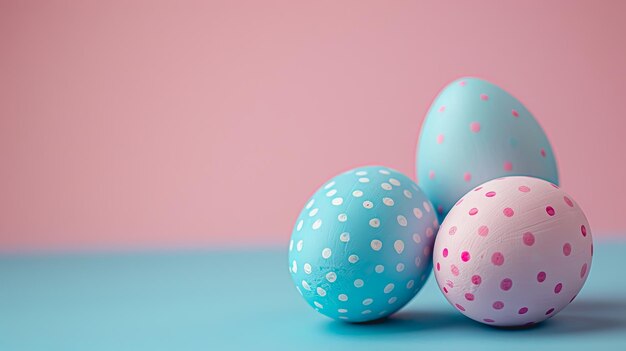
(513, 251)
(474, 132)
(362, 246)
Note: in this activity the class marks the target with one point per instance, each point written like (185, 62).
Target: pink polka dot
(497, 258)
(583, 230)
(543, 152)
(442, 108)
(549, 311)
(473, 211)
(554, 185)
(438, 266)
(528, 238)
(508, 166)
(445, 289)
(506, 284)
(467, 176)
(523, 310)
(452, 230)
(567, 249)
(439, 138)
(476, 279)
(440, 209)
(550, 211)
(465, 256)
(431, 174)
(568, 201)
(455, 270)
(462, 83)
(514, 113)
(541, 277)
(483, 230)
(490, 194)
(583, 270)
(475, 127)
(458, 202)
(488, 320)
(477, 189)
(460, 307)
(469, 297)
(498, 305)
(508, 212)
(524, 189)
(484, 97)
(445, 252)
(558, 288)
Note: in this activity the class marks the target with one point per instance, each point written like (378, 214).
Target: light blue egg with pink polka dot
(362, 246)
(474, 132)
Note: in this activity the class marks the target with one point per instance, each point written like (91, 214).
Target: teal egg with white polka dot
(475, 132)
(361, 247)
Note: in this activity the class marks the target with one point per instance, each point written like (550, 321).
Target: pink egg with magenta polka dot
(515, 251)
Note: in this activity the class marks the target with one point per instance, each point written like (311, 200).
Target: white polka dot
(384, 171)
(326, 253)
(388, 201)
(417, 238)
(398, 245)
(343, 317)
(307, 268)
(357, 193)
(429, 232)
(368, 204)
(392, 300)
(408, 194)
(436, 224)
(368, 301)
(364, 180)
(375, 222)
(366, 312)
(410, 283)
(337, 201)
(313, 212)
(300, 225)
(317, 224)
(331, 276)
(342, 217)
(290, 245)
(331, 193)
(415, 187)
(294, 266)
(427, 251)
(343, 297)
(382, 312)
(394, 181)
(402, 220)
(353, 258)
(418, 261)
(329, 185)
(342, 310)
(386, 186)
(344, 237)
(321, 292)
(361, 173)
(358, 283)
(389, 288)
(299, 245)
(400, 267)
(310, 204)
(426, 206)
(319, 305)
(379, 268)
(376, 245)
(306, 285)
(418, 213)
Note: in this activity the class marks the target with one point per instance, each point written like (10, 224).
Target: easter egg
(475, 132)
(362, 246)
(513, 251)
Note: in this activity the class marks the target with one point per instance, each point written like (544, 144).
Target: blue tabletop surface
(209, 300)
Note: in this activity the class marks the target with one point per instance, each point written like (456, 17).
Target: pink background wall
(158, 123)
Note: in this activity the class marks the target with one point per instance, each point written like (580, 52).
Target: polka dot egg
(513, 251)
(475, 132)
(362, 246)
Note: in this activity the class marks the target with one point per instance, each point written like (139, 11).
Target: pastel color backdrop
(142, 124)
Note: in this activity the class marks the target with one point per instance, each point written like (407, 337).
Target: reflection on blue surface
(200, 301)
